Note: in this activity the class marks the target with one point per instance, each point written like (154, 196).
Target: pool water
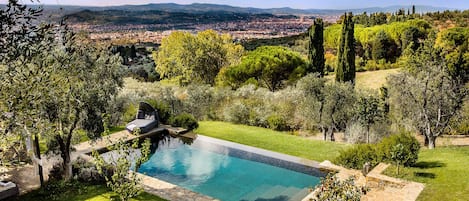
(209, 169)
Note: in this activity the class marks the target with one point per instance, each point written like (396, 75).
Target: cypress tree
(345, 70)
(316, 47)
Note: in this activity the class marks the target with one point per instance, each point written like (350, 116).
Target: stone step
(300, 195)
(253, 195)
(272, 192)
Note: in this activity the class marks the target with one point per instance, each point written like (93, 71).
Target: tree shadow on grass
(425, 175)
(429, 164)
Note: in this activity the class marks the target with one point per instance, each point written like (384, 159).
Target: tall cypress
(345, 70)
(316, 47)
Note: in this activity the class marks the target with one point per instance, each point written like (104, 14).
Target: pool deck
(382, 187)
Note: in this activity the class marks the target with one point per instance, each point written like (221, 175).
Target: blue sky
(303, 4)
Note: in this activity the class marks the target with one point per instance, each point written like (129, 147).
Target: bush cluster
(277, 122)
(358, 155)
(163, 109)
(86, 171)
(184, 120)
(411, 146)
(331, 188)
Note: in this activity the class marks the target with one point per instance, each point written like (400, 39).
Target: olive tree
(368, 111)
(425, 94)
(24, 78)
(123, 158)
(89, 77)
(328, 104)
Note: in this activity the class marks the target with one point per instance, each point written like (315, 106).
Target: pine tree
(345, 70)
(316, 47)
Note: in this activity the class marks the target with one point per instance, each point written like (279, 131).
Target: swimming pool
(229, 171)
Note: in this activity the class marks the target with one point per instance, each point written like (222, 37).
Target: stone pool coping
(294, 163)
(383, 187)
(170, 191)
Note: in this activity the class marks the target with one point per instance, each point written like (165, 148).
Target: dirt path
(447, 140)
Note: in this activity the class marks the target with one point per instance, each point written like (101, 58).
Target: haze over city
(299, 4)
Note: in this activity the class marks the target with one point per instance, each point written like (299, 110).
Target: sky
(300, 4)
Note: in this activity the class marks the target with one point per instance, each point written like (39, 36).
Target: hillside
(123, 17)
(205, 7)
(55, 12)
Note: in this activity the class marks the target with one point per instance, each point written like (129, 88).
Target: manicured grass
(271, 140)
(444, 171)
(77, 191)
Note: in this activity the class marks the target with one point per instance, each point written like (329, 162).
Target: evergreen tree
(380, 46)
(345, 70)
(316, 47)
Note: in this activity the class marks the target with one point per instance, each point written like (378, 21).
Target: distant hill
(165, 12)
(128, 17)
(203, 8)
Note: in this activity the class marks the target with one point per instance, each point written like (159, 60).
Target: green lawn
(444, 170)
(271, 140)
(77, 191)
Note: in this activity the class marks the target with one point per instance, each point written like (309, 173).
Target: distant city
(152, 22)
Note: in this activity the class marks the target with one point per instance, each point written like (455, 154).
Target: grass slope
(370, 79)
(373, 79)
(271, 140)
(444, 171)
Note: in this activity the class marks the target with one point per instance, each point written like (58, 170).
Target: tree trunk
(37, 151)
(331, 134)
(368, 134)
(66, 162)
(324, 133)
(426, 142)
(431, 142)
(67, 166)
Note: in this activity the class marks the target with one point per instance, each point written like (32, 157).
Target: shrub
(55, 174)
(185, 120)
(409, 143)
(129, 112)
(331, 188)
(385, 151)
(357, 156)
(163, 109)
(237, 113)
(86, 171)
(277, 122)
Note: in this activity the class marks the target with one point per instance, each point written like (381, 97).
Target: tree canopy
(345, 70)
(197, 58)
(267, 66)
(316, 46)
(425, 94)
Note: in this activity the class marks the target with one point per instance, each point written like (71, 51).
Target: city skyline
(297, 4)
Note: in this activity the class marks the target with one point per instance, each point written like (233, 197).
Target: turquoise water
(222, 176)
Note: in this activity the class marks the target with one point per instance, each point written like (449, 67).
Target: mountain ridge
(206, 7)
